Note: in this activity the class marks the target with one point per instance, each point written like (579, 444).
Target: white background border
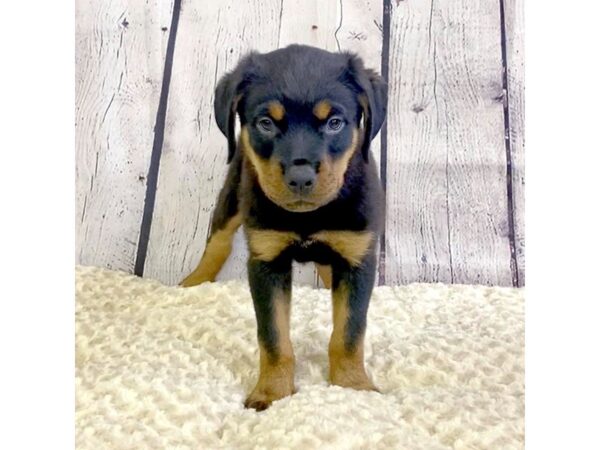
(37, 225)
(562, 224)
(562, 227)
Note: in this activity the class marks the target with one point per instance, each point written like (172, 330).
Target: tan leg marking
(325, 275)
(276, 377)
(346, 367)
(266, 245)
(351, 245)
(215, 254)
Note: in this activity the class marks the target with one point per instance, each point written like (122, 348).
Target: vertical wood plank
(211, 39)
(446, 194)
(120, 50)
(515, 51)
(309, 23)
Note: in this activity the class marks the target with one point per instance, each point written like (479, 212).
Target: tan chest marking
(266, 245)
(351, 245)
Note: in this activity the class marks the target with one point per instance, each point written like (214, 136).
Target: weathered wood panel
(449, 199)
(515, 51)
(446, 192)
(120, 49)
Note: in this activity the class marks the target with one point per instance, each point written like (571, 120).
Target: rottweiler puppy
(302, 182)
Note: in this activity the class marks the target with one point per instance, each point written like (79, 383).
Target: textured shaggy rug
(168, 368)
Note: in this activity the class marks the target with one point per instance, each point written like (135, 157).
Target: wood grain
(309, 22)
(447, 187)
(446, 194)
(515, 51)
(120, 50)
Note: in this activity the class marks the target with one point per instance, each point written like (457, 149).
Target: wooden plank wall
(150, 159)
(120, 55)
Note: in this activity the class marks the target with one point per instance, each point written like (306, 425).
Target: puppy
(302, 181)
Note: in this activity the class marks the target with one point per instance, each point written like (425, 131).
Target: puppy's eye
(265, 125)
(334, 124)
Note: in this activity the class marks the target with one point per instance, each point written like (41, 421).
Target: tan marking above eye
(322, 109)
(276, 110)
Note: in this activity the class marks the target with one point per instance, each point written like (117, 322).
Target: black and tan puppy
(303, 184)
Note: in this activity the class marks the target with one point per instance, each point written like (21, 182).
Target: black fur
(298, 77)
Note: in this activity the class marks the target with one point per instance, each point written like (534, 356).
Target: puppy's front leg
(352, 287)
(270, 285)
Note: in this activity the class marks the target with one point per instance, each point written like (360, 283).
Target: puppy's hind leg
(325, 275)
(225, 222)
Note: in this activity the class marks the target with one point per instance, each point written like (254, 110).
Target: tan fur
(270, 177)
(266, 245)
(346, 368)
(351, 245)
(325, 275)
(364, 103)
(276, 110)
(276, 377)
(322, 110)
(215, 254)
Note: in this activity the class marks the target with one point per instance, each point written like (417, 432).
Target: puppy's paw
(354, 379)
(259, 401)
(267, 392)
(195, 279)
(362, 385)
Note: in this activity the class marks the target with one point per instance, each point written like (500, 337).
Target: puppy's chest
(309, 249)
(322, 246)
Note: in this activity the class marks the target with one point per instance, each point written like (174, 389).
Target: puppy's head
(304, 113)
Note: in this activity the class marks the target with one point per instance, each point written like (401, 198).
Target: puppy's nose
(300, 178)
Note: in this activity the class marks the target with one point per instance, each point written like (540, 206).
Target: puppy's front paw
(264, 394)
(350, 374)
(275, 382)
(354, 381)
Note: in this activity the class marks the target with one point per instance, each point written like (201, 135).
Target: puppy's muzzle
(300, 177)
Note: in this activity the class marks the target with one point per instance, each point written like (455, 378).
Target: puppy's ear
(372, 95)
(228, 94)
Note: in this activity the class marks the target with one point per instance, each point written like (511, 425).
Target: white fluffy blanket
(168, 368)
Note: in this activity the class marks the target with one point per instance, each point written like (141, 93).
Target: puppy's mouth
(301, 206)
